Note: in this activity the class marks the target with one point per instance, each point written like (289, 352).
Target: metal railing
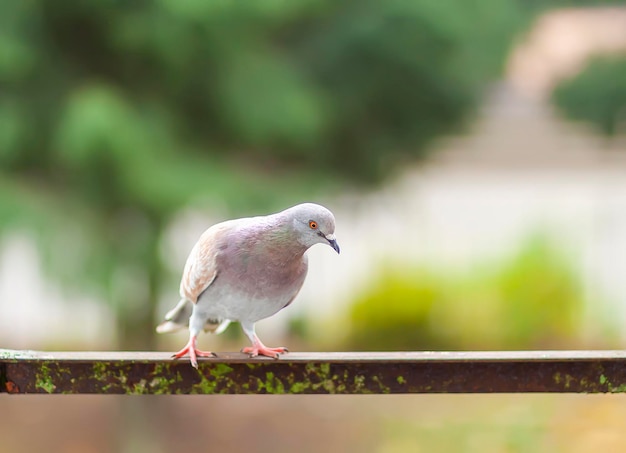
(314, 373)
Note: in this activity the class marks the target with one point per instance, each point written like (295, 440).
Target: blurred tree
(396, 312)
(532, 300)
(597, 94)
(114, 115)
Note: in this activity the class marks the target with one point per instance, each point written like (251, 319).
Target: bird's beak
(332, 242)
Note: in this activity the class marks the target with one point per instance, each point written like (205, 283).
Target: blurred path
(285, 424)
(560, 42)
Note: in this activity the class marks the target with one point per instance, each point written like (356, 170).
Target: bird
(245, 270)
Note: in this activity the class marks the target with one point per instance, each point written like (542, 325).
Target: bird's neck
(281, 241)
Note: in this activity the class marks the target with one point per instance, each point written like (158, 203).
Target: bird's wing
(303, 271)
(201, 266)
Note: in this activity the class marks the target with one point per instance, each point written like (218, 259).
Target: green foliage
(531, 301)
(542, 296)
(397, 313)
(597, 94)
(115, 115)
(347, 88)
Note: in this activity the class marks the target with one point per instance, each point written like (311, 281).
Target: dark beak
(333, 243)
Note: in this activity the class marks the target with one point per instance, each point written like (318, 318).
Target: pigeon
(245, 270)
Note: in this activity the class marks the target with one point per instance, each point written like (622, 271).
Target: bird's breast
(264, 274)
(252, 292)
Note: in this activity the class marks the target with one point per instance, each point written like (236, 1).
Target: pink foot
(260, 349)
(190, 349)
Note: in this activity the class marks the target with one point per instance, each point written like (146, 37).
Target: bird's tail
(177, 318)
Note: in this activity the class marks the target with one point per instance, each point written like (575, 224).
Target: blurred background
(473, 152)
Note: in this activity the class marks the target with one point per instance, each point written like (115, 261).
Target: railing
(329, 373)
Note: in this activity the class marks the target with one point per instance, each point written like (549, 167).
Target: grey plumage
(246, 270)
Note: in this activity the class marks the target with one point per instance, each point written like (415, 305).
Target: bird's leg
(258, 348)
(190, 348)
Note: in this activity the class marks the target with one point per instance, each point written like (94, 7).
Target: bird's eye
(313, 225)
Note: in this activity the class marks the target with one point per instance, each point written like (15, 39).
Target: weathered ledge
(314, 373)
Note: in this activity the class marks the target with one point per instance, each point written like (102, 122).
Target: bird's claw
(199, 353)
(255, 351)
(190, 349)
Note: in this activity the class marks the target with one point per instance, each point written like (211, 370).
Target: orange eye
(313, 225)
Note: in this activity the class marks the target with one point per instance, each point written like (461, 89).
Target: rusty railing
(300, 373)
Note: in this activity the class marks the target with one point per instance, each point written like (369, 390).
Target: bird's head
(314, 224)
